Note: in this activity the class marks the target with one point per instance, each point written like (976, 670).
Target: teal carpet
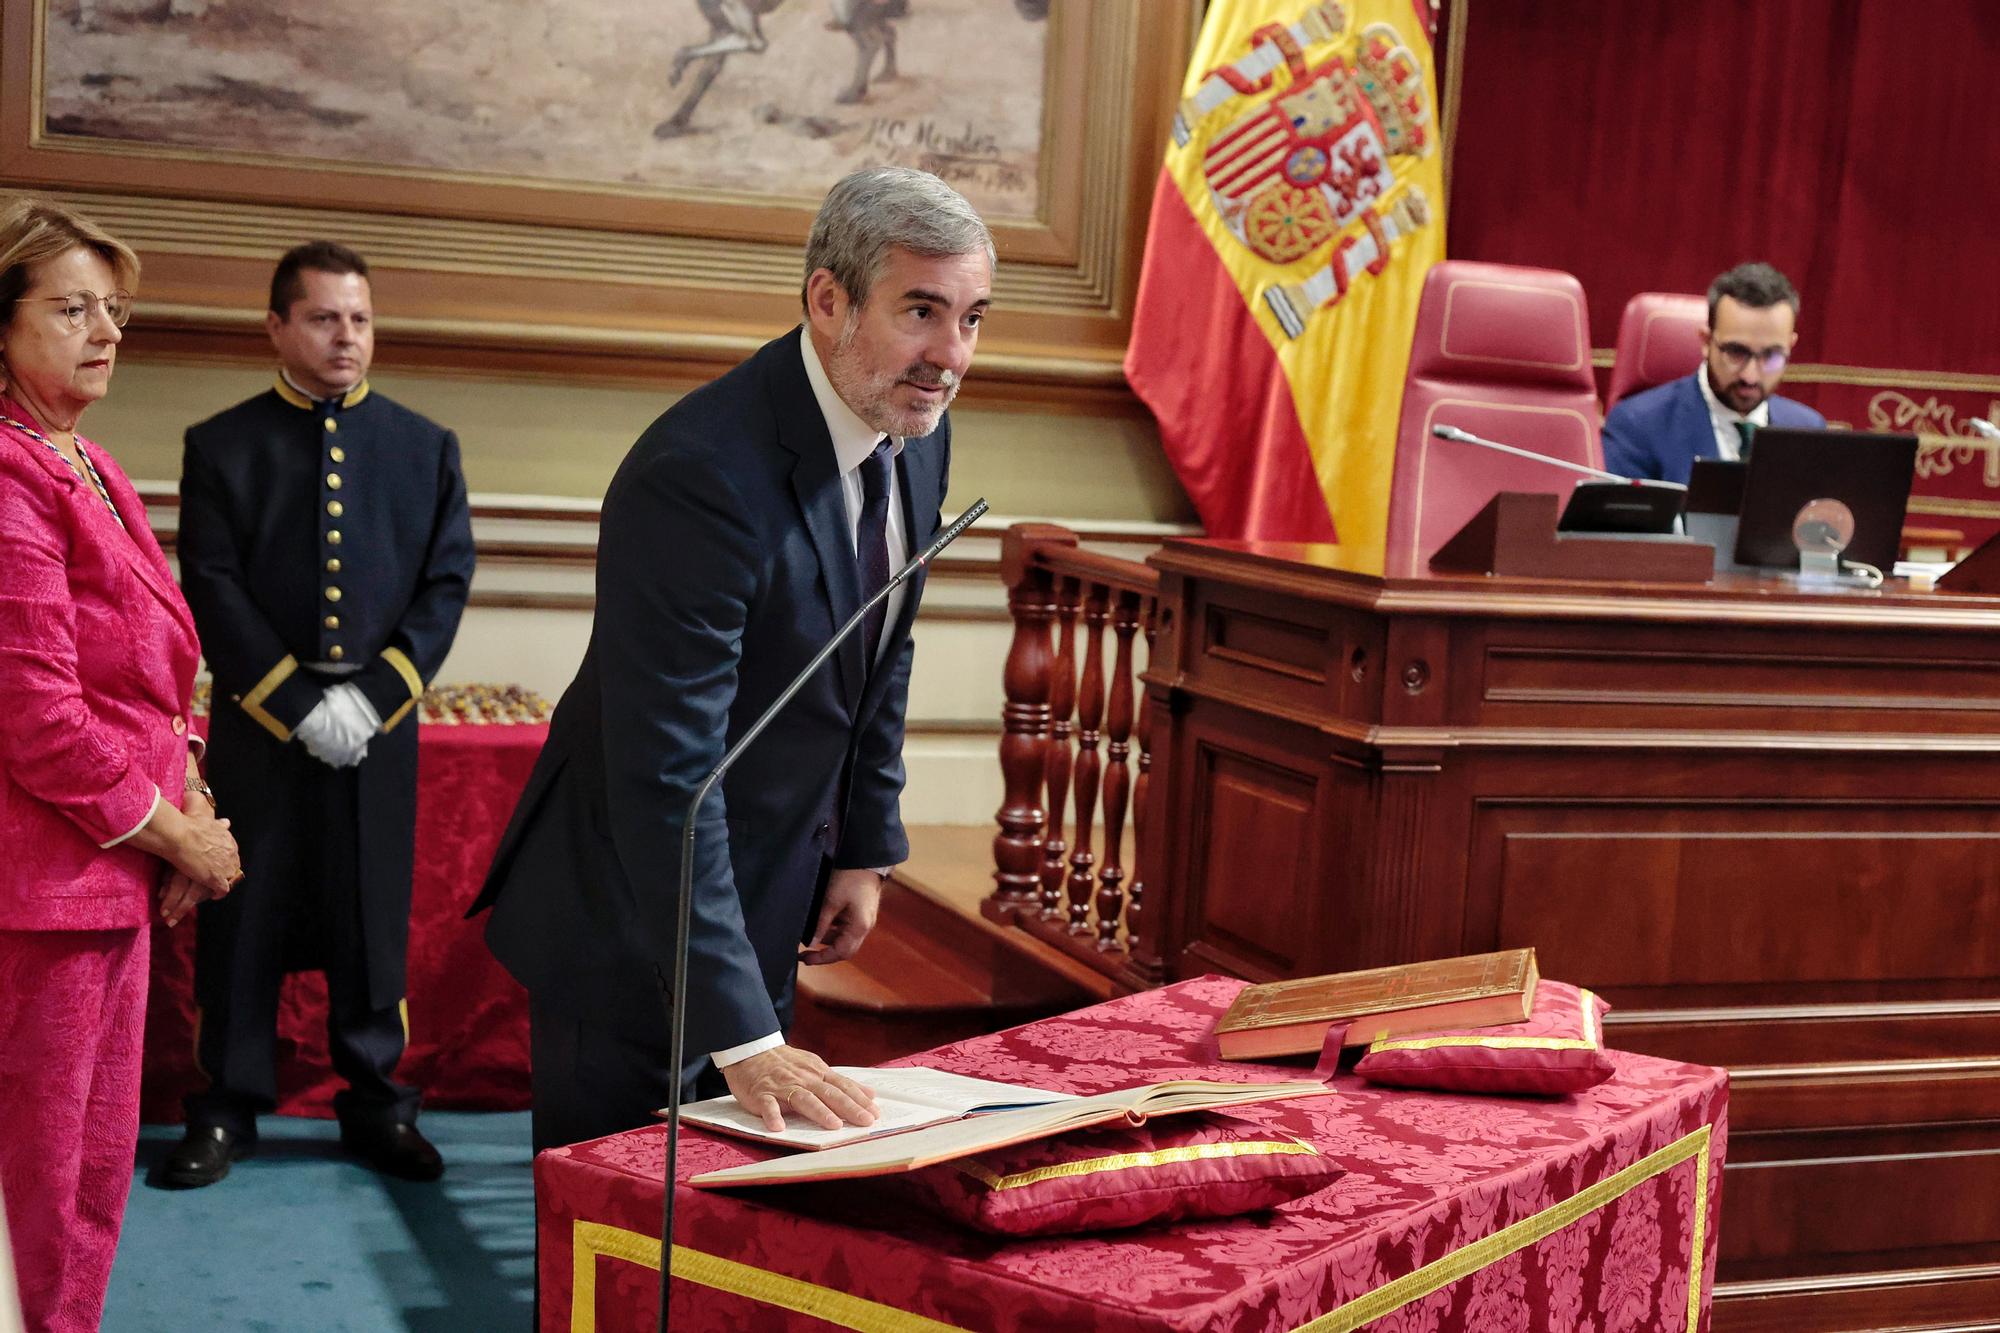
(303, 1237)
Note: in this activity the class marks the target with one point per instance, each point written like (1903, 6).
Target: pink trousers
(72, 1016)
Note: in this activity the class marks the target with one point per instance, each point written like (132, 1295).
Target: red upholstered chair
(1659, 339)
(1502, 352)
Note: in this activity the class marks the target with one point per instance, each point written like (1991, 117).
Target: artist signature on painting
(967, 157)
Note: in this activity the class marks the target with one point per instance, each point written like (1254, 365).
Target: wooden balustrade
(1053, 876)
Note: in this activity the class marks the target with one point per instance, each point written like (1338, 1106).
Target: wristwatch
(201, 785)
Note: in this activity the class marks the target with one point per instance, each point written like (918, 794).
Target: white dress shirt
(1722, 419)
(853, 441)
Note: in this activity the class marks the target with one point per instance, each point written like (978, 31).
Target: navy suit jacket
(725, 561)
(1659, 433)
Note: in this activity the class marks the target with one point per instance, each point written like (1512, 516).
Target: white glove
(317, 732)
(355, 722)
(337, 730)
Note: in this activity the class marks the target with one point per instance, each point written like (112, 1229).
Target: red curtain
(1650, 144)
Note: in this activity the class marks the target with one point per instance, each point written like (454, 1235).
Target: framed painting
(606, 187)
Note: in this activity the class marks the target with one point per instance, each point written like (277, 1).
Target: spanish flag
(1301, 204)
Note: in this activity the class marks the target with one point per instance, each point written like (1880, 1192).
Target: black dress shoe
(203, 1157)
(393, 1148)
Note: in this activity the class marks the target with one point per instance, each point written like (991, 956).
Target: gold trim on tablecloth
(588, 1240)
(1469, 1259)
(1586, 1042)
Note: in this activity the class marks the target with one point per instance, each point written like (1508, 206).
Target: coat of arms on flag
(1300, 206)
(1303, 161)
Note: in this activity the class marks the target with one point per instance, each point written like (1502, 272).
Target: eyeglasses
(1770, 360)
(79, 307)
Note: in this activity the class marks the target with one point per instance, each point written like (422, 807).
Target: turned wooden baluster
(1117, 777)
(1137, 941)
(1089, 716)
(1062, 702)
(1017, 849)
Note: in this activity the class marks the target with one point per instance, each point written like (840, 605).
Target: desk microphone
(1984, 427)
(1458, 436)
(685, 908)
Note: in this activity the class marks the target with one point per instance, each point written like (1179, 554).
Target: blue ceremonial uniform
(319, 541)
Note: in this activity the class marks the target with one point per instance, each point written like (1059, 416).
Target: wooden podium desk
(1763, 822)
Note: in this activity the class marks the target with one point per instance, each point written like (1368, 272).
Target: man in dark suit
(745, 526)
(326, 550)
(1753, 315)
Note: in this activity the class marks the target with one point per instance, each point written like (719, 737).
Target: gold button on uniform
(331, 622)
(333, 537)
(333, 481)
(335, 508)
(331, 426)
(337, 454)
(335, 653)
(333, 594)
(333, 566)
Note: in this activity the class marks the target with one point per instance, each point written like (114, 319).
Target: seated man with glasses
(1753, 312)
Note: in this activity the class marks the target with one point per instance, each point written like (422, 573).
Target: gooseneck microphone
(685, 908)
(1458, 436)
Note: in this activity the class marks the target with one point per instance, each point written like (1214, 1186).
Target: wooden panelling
(1751, 892)
(1266, 644)
(1914, 1202)
(1248, 806)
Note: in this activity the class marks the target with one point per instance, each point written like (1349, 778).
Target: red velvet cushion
(1557, 1050)
(1200, 1165)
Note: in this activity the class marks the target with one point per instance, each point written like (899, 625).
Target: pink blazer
(97, 663)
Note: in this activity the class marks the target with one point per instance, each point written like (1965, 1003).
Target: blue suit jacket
(1659, 433)
(724, 562)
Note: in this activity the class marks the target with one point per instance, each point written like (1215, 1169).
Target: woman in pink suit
(103, 816)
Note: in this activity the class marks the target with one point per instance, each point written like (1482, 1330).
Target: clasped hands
(337, 730)
(199, 848)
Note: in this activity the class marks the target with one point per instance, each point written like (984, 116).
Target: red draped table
(1597, 1210)
(468, 1019)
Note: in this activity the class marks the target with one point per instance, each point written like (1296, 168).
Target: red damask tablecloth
(1597, 1210)
(468, 1019)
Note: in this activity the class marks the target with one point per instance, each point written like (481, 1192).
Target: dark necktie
(871, 544)
(1747, 429)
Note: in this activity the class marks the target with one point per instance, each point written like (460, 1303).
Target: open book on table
(905, 1099)
(883, 1155)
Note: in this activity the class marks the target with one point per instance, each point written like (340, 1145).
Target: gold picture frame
(515, 276)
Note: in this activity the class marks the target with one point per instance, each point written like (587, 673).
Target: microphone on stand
(685, 908)
(1982, 426)
(1458, 436)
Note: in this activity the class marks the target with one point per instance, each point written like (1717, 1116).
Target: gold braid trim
(253, 702)
(1090, 1166)
(407, 669)
(1585, 1042)
(285, 391)
(1461, 1263)
(588, 1240)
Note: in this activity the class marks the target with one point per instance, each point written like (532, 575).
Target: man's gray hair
(878, 209)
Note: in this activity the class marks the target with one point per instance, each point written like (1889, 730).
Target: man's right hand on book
(786, 1080)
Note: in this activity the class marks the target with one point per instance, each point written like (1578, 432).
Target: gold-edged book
(914, 1148)
(1293, 1017)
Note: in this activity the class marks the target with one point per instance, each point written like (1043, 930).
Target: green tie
(1748, 430)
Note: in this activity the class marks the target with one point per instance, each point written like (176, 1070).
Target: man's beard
(872, 394)
(1726, 394)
